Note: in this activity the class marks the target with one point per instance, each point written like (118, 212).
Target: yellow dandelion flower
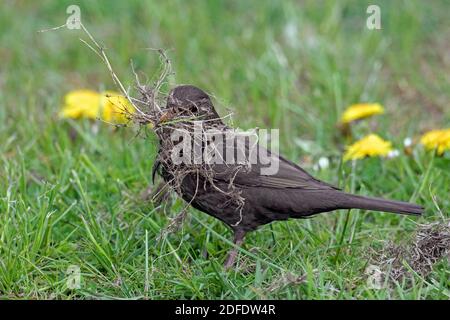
(81, 104)
(437, 139)
(115, 107)
(360, 111)
(369, 146)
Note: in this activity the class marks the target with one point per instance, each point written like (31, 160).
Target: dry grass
(430, 245)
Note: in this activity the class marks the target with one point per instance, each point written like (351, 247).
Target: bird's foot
(231, 258)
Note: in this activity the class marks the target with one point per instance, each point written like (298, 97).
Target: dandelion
(369, 146)
(361, 111)
(437, 139)
(115, 107)
(109, 106)
(81, 104)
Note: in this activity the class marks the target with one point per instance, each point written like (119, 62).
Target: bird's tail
(378, 204)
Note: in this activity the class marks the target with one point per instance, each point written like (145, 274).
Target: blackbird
(243, 197)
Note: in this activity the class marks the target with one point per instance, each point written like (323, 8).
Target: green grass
(66, 201)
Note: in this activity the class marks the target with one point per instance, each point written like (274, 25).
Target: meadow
(73, 192)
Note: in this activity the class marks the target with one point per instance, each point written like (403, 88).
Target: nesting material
(430, 245)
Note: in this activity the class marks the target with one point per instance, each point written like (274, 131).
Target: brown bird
(242, 196)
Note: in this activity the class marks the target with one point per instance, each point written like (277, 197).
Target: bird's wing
(287, 175)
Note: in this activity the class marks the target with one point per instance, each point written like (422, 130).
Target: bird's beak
(166, 116)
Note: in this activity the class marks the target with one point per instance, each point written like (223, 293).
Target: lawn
(71, 191)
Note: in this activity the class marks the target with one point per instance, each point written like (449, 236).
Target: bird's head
(190, 102)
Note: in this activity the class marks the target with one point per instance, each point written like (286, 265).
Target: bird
(242, 196)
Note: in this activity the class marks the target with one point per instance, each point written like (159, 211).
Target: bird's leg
(238, 239)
